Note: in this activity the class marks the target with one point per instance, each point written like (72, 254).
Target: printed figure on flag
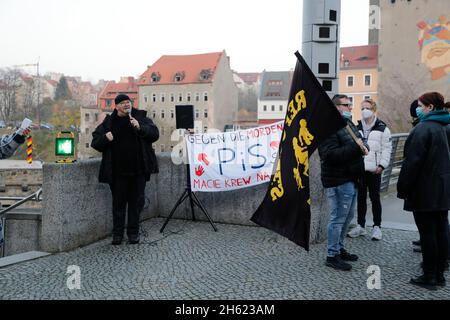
(310, 118)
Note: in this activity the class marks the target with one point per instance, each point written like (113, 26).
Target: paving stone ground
(191, 261)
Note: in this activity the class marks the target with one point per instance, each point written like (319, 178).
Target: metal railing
(35, 196)
(390, 174)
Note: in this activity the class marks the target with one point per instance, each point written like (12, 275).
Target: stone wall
(77, 209)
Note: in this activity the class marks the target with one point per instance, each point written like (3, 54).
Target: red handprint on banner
(274, 145)
(199, 171)
(203, 157)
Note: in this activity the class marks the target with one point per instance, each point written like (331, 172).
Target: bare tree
(30, 96)
(9, 85)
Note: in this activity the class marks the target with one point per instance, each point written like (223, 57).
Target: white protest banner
(232, 160)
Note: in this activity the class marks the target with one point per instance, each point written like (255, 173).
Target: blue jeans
(342, 200)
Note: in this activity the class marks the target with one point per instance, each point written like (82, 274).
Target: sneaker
(346, 256)
(337, 263)
(376, 233)
(357, 231)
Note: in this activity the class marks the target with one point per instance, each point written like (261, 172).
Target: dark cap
(120, 98)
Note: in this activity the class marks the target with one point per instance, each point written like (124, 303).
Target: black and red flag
(310, 118)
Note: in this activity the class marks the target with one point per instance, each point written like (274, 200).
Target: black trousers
(434, 239)
(372, 182)
(126, 190)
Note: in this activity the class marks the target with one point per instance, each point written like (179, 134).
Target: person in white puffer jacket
(378, 137)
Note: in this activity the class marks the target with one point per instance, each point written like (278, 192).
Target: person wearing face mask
(378, 137)
(424, 184)
(342, 165)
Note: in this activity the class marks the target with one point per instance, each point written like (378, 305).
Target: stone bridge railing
(77, 209)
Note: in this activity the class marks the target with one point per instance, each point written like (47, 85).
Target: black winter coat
(424, 180)
(341, 158)
(147, 134)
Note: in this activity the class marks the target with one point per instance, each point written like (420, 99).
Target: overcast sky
(106, 39)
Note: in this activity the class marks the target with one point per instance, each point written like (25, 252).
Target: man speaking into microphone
(124, 138)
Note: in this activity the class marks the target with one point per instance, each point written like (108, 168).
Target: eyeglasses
(345, 104)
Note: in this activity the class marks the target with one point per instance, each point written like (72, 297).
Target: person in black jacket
(125, 138)
(424, 184)
(342, 165)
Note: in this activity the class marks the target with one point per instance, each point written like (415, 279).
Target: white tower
(321, 19)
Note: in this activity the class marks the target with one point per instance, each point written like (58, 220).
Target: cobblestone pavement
(191, 261)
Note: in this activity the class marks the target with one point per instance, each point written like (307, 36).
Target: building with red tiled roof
(203, 81)
(358, 75)
(127, 85)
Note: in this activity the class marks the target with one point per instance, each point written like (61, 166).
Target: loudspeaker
(184, 115)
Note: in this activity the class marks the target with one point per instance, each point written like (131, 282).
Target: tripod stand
(192, 199)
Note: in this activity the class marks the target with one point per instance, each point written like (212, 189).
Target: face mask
(366, 113)
(347, 114)
(419, 112)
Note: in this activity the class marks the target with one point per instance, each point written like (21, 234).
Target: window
(205, 96)
(172, 97)
(86, 117)
(324, 68)
(205, 74)
(156, 76)
(205, 129)
(108, 102)
(145, 99)
(273, 108)
(162, 114)
(196, 114)
(281, 107)
(275, 83)
(367, 80)
(197, 96)
(172, 114)
(333, 15)
(162, 147)
(154, 114)
(179, 76)
(366, 97)
(180, 97)
(87, 145)
(96, 117)
(154, 97)
(163, 98)
(205, 113)
(350, 99)
(264, 108)
(188, 97)
(324, 32)
(350, 81)
(327, 85)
